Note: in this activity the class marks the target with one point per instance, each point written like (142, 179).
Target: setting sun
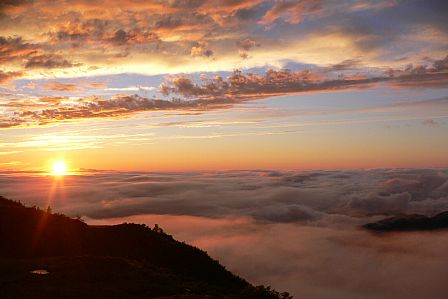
(59, 168)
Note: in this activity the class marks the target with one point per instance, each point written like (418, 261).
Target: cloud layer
(310, 197)
(214, 92)
(44, 38)
(298, 231)
(277, 48)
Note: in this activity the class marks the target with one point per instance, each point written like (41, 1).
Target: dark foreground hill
(410, 223)
(46, 255)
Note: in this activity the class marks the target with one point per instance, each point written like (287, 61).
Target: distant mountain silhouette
(119, 261)
(410, 223)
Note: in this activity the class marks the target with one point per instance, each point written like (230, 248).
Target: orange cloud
(49, 61)
(291, 11)
(57, 86)
(219, 92)
(8, 76)
(12, 48)
(201, 49)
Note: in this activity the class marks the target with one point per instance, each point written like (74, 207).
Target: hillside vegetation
(119, 261)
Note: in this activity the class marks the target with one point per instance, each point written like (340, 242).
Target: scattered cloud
(201, 49)
(279, 82)
(49, 62)
(219, 92)
(5, 77)
(432, 123)
(245, 45)
(92, 37)
(12, 48)
(131, 88)
(348, 64)
(291, 11)
(57, 86)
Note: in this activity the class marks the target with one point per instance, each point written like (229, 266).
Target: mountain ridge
(414, 222)
(119, 261)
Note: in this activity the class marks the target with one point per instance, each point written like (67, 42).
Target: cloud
(97, 107)
(279, 82)
(297, 259)
(291, 11)
(8, 76)
(98, 31)
(97, 85)
(131, 88)
(159, 37)
(9, 123)
(44, 112)
(218, 92)
(57, 86)
(431, 123)
(348, 64)
(421, 75)
(122, 37)
(245, 45)
(302, 222)
(49, 62)
(311, 197)
(12, 48)
(201, 49)
(379, 203)
(12, 5)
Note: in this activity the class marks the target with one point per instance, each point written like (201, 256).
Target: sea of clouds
(299, 231)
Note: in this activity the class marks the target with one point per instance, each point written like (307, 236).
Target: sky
(216, 85)
(266, 132)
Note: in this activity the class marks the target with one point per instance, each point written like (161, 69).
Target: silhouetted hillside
(410, 223)
(120, 261)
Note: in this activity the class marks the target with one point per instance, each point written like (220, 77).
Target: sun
(59, 168)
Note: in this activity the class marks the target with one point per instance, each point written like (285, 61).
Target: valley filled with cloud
(297, 230)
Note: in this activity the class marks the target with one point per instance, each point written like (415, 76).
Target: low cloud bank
(309, 197)
(317, 262)
(298, 231)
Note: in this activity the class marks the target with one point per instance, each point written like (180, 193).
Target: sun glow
(59, 168)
